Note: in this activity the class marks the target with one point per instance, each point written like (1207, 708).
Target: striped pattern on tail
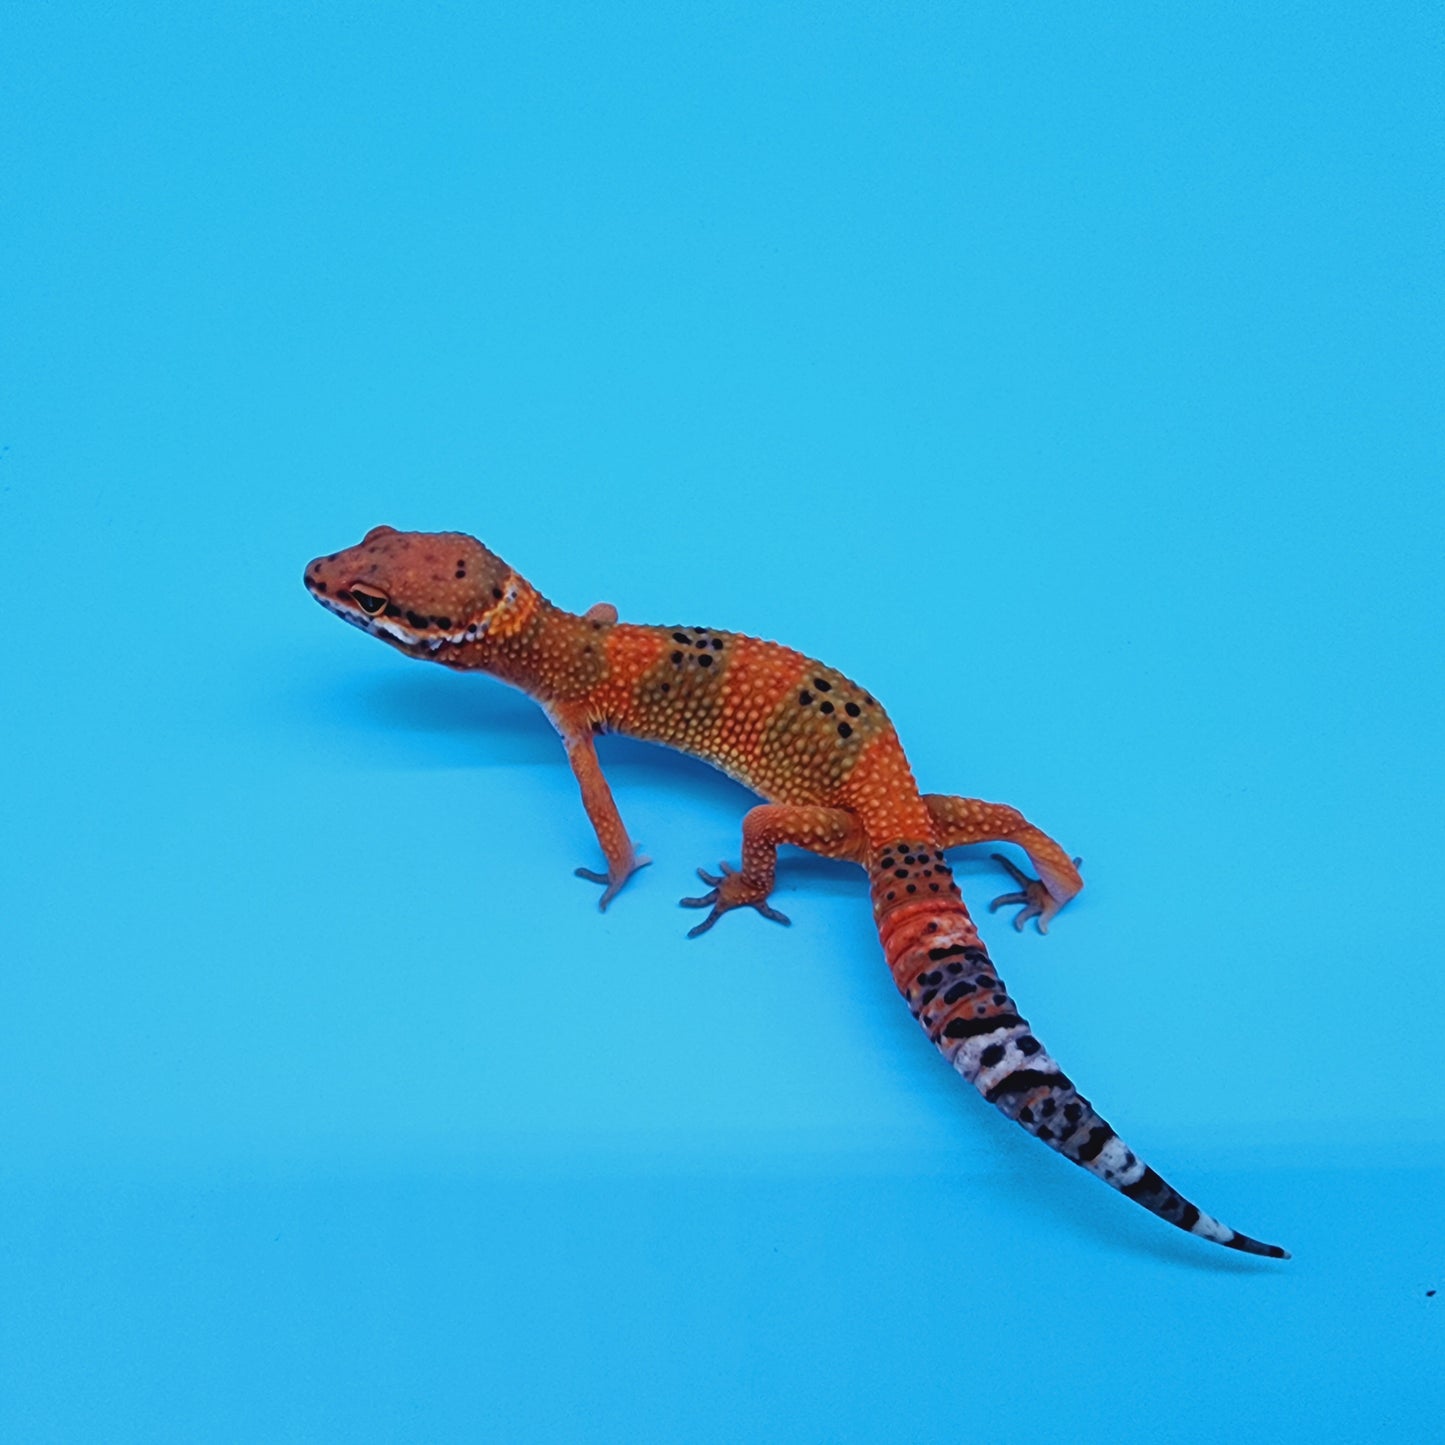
(954, 991)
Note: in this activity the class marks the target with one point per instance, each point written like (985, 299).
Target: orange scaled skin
(819, 748)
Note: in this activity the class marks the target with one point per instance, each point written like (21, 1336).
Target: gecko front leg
(831, 832)
(622, 859)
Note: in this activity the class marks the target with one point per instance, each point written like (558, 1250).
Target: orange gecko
(820, 750)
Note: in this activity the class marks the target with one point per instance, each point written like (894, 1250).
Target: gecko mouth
(424, 644)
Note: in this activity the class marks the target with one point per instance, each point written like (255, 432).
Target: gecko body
(824, 756)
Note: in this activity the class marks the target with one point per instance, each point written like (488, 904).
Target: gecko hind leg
(717, 899)
(961, 821)
(833, 832)
(1033, 894)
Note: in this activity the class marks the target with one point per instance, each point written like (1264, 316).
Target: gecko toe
(706, 923)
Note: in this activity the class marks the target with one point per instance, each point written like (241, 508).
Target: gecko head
(419, 591)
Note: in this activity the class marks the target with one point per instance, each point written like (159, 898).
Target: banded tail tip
(1254, 1246)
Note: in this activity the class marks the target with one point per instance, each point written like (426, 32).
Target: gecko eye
(370, 602)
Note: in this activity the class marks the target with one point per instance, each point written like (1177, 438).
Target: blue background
(1073, 380)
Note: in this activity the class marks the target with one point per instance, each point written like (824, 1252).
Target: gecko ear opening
(370, 602)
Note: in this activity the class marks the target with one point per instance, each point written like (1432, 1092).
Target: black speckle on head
(913, 888)
(705, 661)
(460, 573)
(677, 658)
(900, 873)
(681, 637)
(700, 643)
(497, 593)
(892, 896)
(418, 621)
(717, 644)
(844, 731)
(805, 698)
(932, 928)
(392, 610)
(852, 709)
(667, 687)
(822, 684)
(825, 707)
(445, 623)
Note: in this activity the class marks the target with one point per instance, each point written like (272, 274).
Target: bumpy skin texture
(818, 747)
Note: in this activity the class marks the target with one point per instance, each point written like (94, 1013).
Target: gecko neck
(549, 653)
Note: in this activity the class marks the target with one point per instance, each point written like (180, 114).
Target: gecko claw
(718, 900)
(1035, 899)
(611, 886)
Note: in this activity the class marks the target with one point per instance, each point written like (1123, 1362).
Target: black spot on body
(822, 684)
(681, 637)
(992, 1055)
(1146, 1184)
(1023, 1081)
(1029, 1046)
(844, 731)
(705, 661)
(804, 698)
(1091, 1148)
(852, 709)
(677, 657)
(971, 1028)
(825, 707)
(958, 991)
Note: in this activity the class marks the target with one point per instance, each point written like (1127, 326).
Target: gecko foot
(611, 886)
(728, 892)
(1038, 903)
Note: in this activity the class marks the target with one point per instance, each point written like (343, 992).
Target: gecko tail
(954, 991)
